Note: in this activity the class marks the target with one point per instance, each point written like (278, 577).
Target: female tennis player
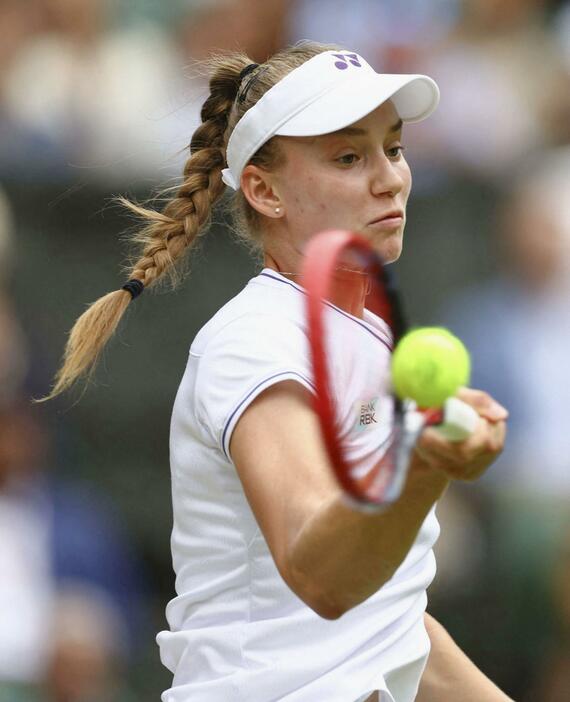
(284, 592)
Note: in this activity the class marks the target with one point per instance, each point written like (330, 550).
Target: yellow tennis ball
(429, 365)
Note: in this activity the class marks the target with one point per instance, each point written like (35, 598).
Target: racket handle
(459, 420)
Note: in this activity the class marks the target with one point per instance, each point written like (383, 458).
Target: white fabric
(237, 631)
(25, 589)
(324, 94)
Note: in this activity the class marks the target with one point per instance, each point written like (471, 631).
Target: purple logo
(344, 60)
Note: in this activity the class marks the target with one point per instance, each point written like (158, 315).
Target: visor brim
(415, 97)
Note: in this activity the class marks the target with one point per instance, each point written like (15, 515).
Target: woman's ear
(259, 190)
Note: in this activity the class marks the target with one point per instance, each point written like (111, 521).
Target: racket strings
(328, 254)
(383, 482)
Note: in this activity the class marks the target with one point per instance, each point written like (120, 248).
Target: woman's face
(355, 179)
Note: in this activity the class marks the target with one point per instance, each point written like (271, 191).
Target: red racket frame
(322, 257)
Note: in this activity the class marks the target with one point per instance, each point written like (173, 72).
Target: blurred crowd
(71, 584)
(101, 90)
(106, 95)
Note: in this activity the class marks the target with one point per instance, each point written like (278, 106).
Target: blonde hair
(168, 235)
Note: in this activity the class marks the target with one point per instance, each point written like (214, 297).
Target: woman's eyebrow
(396, 127)
(358, 131)
(352, 131)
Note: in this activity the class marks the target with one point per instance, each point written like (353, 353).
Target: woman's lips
(390, 222)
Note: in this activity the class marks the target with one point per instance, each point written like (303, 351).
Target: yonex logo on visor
(323, 95)
(342, 64)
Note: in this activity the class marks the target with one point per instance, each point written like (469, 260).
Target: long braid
(168, 235)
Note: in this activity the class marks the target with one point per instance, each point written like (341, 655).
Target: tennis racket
(338, 264)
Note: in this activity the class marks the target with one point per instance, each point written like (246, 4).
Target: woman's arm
(331, 556)
(356, 553)
(450, 676)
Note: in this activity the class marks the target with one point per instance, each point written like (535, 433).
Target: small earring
(277, 210)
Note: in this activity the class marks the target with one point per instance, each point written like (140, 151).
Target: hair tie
(134, 286)
(247, 70)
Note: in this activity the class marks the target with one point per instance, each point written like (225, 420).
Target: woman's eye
(348, 159)
(395, 151)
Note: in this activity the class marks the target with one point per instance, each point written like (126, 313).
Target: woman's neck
(349, 286)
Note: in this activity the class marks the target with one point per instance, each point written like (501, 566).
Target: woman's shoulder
(266, 310)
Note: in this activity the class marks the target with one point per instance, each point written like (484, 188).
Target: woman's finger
(483, 403)
(464, 460)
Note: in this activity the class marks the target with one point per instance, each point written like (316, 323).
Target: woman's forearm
(344, 556)
(450, 675)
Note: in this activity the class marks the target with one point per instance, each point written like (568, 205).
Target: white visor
(328, 92)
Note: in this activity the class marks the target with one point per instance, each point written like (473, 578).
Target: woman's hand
(469, 459)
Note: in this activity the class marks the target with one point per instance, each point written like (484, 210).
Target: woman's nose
(387, 177)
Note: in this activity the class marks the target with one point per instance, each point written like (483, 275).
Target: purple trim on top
(250, 393)
(334, 307)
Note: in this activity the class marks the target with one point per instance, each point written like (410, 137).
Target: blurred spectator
(56, 540)
(87, 649)
(203, 28)
(102, 93)
(26, 585)
(117, 105)
(57, 537)
(20, 20)
(517, 327)
(258, 28)
(504, 89)
(393, 37)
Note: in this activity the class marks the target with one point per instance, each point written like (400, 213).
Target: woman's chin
(390, 248)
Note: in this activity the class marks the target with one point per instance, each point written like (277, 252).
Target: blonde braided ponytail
(168, 235)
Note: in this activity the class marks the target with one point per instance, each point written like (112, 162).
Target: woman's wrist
(423, 474)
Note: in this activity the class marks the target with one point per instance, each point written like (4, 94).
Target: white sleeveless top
(237, 631)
